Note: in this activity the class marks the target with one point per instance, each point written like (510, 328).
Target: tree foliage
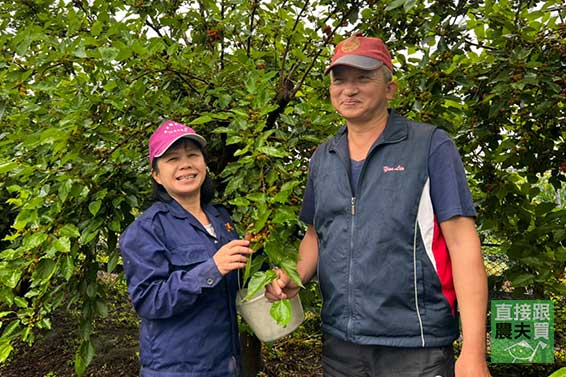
(83, 84)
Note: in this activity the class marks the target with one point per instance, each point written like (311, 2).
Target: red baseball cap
(168, 133)
(361, 52)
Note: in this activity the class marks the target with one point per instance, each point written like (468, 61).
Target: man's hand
(469, 366)
(281, 288)
(232, 256)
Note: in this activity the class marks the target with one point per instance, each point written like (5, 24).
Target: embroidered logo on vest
(387, 169)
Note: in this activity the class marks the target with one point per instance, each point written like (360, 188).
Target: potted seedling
(262, 186)
(269, 321)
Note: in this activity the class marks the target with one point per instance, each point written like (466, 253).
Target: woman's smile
(182, 171)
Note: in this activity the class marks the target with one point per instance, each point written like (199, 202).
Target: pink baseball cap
(168, 133)
(361, 52)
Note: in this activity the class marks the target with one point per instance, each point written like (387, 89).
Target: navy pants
(344, 359)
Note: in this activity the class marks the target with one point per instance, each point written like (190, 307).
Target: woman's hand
(232, 256)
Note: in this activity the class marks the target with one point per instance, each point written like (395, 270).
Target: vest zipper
(349, 335)
(350, 284)
(353, 206)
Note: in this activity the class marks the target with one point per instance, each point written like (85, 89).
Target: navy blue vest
(378, 284)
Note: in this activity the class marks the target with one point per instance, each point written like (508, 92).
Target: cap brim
(356, 61)
(199, 139)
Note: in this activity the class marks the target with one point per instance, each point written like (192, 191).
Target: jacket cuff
(209, 274)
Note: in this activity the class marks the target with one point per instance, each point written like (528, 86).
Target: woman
(180, 258)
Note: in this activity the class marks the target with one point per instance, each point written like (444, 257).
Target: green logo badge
(522, 331)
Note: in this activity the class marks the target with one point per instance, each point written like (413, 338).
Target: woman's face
(181, 170)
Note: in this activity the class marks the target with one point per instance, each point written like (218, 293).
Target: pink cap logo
(168, 133)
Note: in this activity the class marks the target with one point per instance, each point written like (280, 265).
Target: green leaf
(281, 312)
(91, 231)
(7, 295)
(11, 328)
(409, 4)
(108, 53)
(282, 197)
(284, 214)
(258, 281)
(7, 166)
(83, 357)
(257, 197)
(24, 218)
(4, 314)
(395, 4)
(67, 267)
(115, 225)
(101, 194)
(522, 280)
(290, 268)
(235, 139)
(260, 222)
(70, 230)
(5, 349)
(20, 302)
(559, 373)
(62, 244)
(247, 270)
(113, 261)
(132, 201)
(201, 120)
(34, 241)
(94, 207)
(65, 189)
(101, 308)
(97, 27)
(240, 202)
(91, 290)
(272, 151)
(11, 254)
(80, 52)
(45, 270)
(27, 335)
(253, 265)
(44, 323)
(10, 278)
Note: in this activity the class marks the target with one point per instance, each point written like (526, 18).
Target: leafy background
(84, 83)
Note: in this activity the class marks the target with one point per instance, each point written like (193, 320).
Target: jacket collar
(395, 131)
(179, 212)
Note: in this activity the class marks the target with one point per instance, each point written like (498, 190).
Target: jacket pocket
(189, 254)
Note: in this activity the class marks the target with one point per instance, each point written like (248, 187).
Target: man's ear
(391, 90)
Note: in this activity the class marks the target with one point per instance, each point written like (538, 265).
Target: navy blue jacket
(189, 324)
(384, 268)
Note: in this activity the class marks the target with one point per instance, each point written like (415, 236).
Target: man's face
(360, 96)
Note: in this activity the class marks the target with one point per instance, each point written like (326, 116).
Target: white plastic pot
(255, 312)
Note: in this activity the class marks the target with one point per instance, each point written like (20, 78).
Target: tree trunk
(252, 362)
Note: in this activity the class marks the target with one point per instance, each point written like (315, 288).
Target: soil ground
(52, 355)
(115, 338)
(116, 342)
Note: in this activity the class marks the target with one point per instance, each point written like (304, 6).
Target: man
(391, 234)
